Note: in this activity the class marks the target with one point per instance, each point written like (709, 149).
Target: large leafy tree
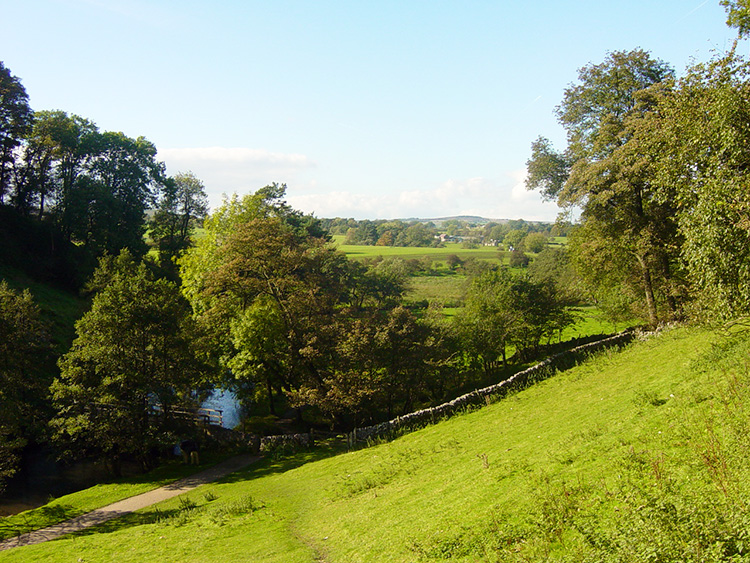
(133, 362)
(698, 142)
(487, 320)
(265, 282)
(53, 157)
(604, 173)
(16, 120)
(24, 352)
(283, 305)
(121, 179)
(265, 263)
(504, 309)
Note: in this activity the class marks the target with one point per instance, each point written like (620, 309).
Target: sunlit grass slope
(632, 456)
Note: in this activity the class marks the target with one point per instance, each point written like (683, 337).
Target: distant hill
(438, 221)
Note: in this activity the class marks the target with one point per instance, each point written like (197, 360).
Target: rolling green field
(636, 455)
(355, 251)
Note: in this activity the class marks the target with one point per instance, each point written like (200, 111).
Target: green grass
(632, 456)
(408, 252)
(448, 290)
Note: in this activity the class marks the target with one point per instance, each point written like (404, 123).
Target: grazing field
(448, 290)
(358, 252)
(631, 456)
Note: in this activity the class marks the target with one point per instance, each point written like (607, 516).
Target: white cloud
(505, 199)
(227, 170)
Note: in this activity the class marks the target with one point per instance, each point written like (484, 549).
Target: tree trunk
(271, 405)
(648, 289)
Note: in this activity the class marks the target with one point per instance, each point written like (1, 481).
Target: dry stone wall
(398, 425)
(517, 381)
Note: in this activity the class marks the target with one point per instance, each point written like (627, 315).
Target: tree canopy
(603, 171)
(24, 352)
(133, 362)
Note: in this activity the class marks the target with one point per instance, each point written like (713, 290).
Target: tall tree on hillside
(53, 156)
(121, 180)
(24, 349)
(134, 356)
(16, 119)
(698, 144)
(603, 172)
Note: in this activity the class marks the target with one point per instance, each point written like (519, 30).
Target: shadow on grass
(11, 527)
(131, 520)
(260, 468)
(271, 464)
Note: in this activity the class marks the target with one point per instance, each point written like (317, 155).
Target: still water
(226, 402)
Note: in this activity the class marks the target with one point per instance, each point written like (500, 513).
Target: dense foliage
(135, 361)
(24, 351)
(657, 167)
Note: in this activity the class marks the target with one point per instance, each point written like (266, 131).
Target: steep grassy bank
(633, 456)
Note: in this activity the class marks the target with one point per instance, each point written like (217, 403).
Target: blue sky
(377, 109)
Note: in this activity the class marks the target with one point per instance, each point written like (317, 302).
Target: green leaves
(136, 347)
(24, 351)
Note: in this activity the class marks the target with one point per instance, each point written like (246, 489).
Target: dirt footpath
(131, 504)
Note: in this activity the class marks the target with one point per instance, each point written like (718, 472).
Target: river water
(226, 402)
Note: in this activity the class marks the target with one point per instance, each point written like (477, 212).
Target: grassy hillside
(633, 456)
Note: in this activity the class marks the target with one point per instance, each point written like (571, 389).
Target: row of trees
(658, 167)
(94, 187)
(417, 233)
(391, 233)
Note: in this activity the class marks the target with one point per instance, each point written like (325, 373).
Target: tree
(514, 239)
(453, 262)
(182, 204)
(416, 234)
(266, 282)
(402, 348)
(541, 313)
(121, 180)
(503, 309)
(547, 169)
(738, 15)
(608, 177)
(133, 362)
(518, 258)
(535, 242)
(488, 319)
(553, 265)
(16, 119)
(70, 138)
(24, 352)
(698, 141)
